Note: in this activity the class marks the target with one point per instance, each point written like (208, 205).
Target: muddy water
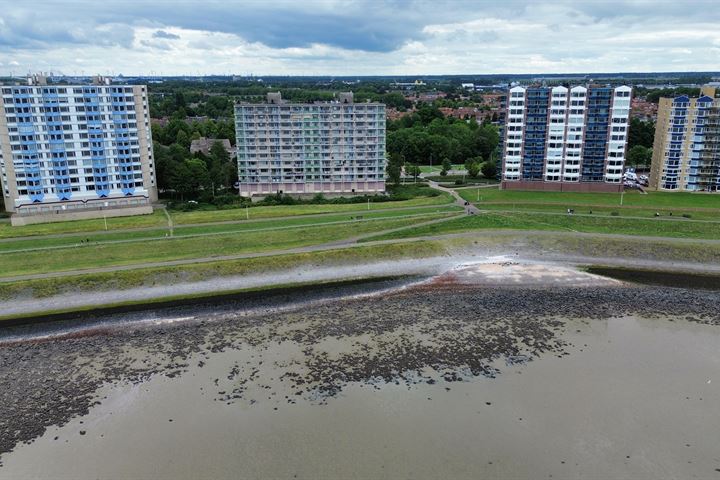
(596, 395)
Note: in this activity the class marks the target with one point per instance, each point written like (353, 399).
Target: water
(633, 396)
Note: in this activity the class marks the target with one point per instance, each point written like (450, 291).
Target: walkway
(469, 207)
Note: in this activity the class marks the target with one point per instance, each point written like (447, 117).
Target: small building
(203, 145)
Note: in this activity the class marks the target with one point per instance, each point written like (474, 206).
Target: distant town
(77, 148)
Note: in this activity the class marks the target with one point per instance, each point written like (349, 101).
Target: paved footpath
(470, 209)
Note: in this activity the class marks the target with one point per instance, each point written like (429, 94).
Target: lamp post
(105, 215)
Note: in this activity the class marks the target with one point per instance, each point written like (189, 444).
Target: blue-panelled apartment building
(75, 151)
(560, 138)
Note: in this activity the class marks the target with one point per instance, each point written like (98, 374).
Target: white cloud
(346, 37)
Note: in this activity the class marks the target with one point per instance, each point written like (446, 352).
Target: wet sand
(557, 374)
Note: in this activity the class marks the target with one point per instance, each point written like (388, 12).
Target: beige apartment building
(686, 151)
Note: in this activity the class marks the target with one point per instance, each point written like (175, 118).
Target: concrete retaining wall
(580, 187)
(17, 220)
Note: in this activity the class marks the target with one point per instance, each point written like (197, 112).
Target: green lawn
(631, 198)
(625, 211)
(215, 229)
(594, 224)
(140, 252)
(180, 218)
(125, 279)
(438, 168)
(157, 219)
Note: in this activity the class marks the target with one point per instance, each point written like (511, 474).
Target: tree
(217, 162)
(428, 113)
(486, 139)
(412, 170)
(641, 133)
(446, 166)
(489, 169)
(394, 167)
(190, 177)
(639, 156)
(472, 165)
(183, 139)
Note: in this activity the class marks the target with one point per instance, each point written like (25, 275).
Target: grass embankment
(236, 214)
(550, 243)
(569, 223)
(423, 197)
(179, 248)
(157, 219)
(268, 225)
(681, 214)
(145, 277)
(632, 198)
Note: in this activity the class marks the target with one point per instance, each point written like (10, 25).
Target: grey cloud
(164, 34)
(572, 33)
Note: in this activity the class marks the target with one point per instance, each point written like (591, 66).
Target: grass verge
(147, 277)
(569, 223)
(674, 200)
(186, 249)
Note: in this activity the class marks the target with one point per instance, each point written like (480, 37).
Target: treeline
(654, 95)
(428, 138)
(180, 174)
(188, 103)
(641, 136)
(216, 99)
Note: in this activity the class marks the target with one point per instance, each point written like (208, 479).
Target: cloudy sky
(357, 37)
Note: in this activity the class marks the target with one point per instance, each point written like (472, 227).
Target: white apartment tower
(560, 138)
(75, 151)
(335, 148)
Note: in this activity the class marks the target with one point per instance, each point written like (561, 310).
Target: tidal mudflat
(488, 371)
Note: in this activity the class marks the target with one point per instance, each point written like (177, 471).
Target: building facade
(686, 151)
(559, 138)
(325, 147)
(75, 151)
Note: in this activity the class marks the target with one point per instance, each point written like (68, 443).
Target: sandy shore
(498, 369)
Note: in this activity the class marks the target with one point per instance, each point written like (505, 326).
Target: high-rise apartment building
(559, 138)
(686, 152)
(308, 148)
(75, 151)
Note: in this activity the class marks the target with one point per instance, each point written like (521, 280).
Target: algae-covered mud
(486, 371)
